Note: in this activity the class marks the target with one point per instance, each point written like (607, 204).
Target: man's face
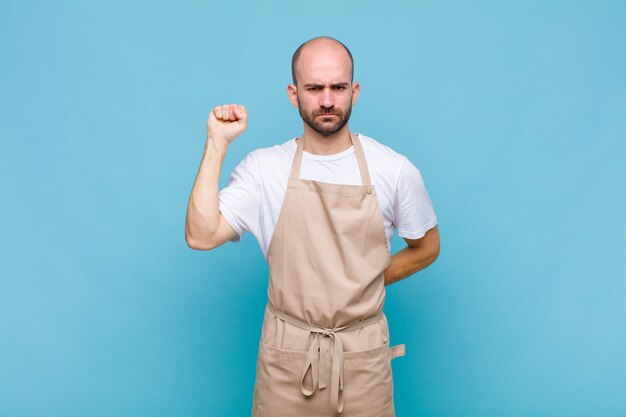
(324, 94)
(325, 120)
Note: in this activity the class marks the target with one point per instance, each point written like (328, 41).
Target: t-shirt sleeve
(240, 200)
(413, 210)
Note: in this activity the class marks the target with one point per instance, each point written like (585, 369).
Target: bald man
(323, 207)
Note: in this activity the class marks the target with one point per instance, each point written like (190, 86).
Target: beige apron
(324, 346)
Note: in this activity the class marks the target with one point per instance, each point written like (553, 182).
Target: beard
(324, 128)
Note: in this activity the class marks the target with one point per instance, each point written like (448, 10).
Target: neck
(326, 145)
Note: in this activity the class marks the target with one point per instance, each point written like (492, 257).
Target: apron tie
(318, 352)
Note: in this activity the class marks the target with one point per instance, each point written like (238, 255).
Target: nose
(326, 98)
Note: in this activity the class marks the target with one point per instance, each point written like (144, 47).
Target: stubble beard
(325, 129)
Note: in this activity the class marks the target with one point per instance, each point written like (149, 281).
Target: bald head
(320, 44)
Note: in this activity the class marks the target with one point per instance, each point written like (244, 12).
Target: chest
(343, 171)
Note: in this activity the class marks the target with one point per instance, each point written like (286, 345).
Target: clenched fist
(226, 122)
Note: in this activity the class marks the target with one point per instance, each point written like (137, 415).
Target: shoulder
(273, 154)
(383, 160)
(267, 156)
(374, 148)
(267, 165)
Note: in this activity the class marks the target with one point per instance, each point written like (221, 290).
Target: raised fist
(226, 122)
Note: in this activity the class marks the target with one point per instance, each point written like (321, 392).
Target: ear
(355, 92)
(292, 93)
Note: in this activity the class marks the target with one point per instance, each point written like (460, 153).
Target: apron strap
(358, 151)
(360, 157)
(297, 161)
(398, 350)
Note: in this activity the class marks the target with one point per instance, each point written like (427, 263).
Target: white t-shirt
(253, 197)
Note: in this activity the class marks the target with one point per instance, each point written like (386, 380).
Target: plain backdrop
(513, 111)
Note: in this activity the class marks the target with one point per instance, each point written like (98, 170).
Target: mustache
(327, 112)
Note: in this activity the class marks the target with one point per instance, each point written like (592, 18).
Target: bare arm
(416, 256)
(205, 227)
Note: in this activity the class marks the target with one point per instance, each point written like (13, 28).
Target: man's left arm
(418, 254)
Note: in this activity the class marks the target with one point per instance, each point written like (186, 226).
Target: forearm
(413, 258)
(203, 215)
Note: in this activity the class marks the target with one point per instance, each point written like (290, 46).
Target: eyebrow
(321, 85)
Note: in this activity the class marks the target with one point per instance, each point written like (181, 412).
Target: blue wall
(513, 111)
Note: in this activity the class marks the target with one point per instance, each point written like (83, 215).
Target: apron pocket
(368, 382)
(277, 388)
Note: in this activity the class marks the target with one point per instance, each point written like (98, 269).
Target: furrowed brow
(316, 85)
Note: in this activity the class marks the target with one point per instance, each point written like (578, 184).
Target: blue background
(513, 111)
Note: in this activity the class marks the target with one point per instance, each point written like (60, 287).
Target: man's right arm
(206, 228)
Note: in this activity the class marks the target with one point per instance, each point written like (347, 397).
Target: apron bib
(324, 348)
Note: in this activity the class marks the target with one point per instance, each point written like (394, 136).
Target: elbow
(192, 243)
(198, 244)
(434, 247)
(436, 250)
(435, 253)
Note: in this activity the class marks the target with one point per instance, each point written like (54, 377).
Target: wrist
(218, 145)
